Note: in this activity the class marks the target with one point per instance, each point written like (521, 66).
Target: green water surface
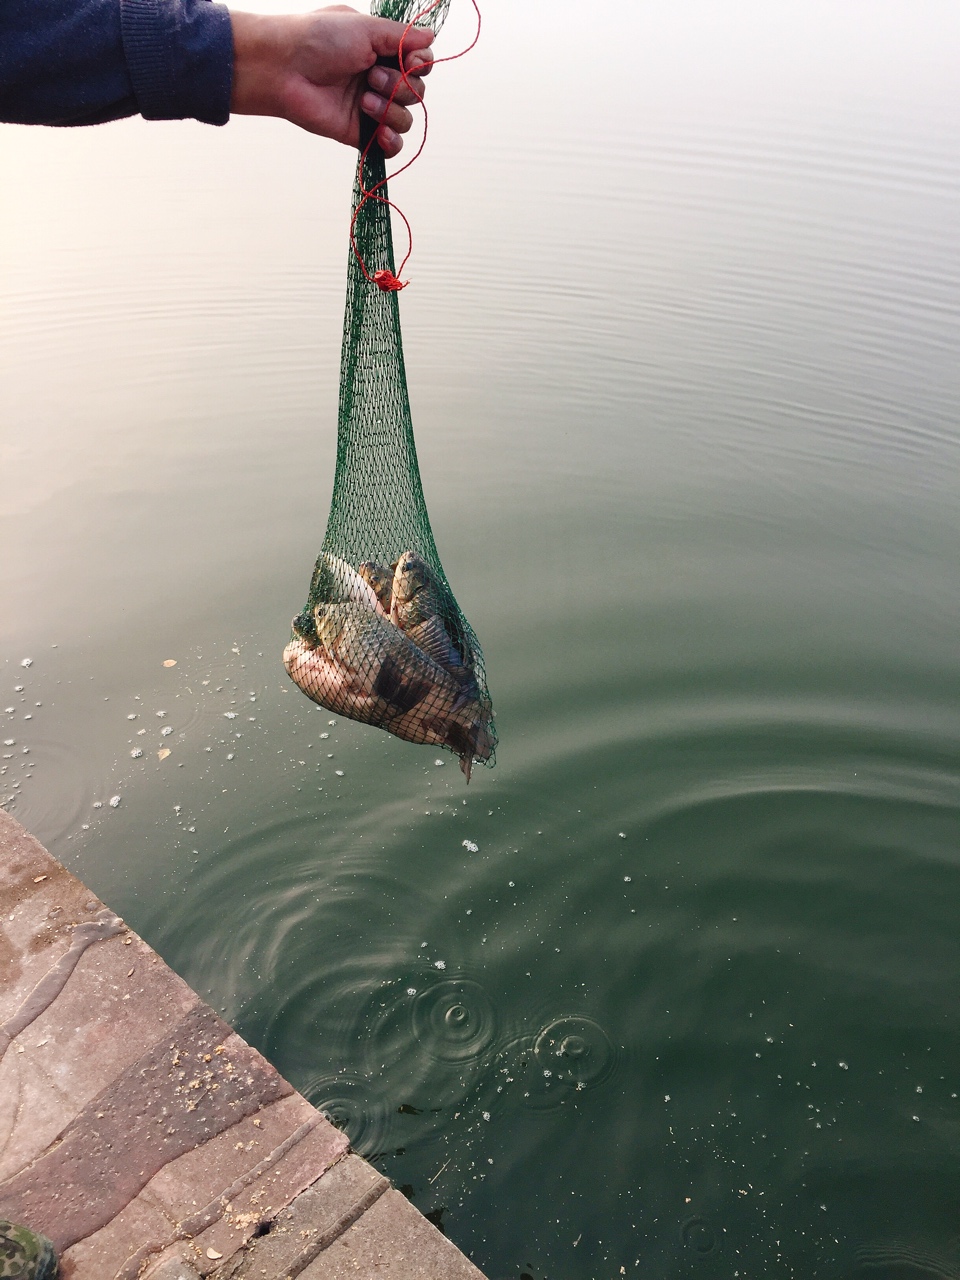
(673, 990)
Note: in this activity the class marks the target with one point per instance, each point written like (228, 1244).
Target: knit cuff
(180, 58)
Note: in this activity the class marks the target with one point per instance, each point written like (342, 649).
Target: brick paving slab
(174, 1269)
(146, 1138)
(393, 1242)
(350, 1224)
(311, 1223)
(105, 1252)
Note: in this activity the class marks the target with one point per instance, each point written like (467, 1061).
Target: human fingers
(390, 143)
(389, 83)
(419, 63)
(392, 116)
(385, 36)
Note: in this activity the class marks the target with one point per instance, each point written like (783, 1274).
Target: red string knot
(388, 282)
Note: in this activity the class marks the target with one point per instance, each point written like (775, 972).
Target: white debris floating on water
(26, 662)
(230, 715)
(439, 964)
(114, 802)
(166, 731)
(136, 753)
(470, 846)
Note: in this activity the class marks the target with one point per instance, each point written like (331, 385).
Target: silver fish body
(336, 581)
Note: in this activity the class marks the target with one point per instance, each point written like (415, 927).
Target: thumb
(385, 37)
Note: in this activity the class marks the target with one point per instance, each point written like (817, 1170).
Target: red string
(386, 280)
(383, 278)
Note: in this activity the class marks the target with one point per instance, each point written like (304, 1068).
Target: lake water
(682, 345)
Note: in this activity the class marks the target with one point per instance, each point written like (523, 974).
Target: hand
(319, 71)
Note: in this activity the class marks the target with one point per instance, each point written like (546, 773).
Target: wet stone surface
(145, 1138)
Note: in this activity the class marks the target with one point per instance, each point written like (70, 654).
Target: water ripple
(454, 1020)
(354, 1106)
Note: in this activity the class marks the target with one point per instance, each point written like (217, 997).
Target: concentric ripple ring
(454, 1021)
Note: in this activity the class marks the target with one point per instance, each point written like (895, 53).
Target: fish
(419, 602)
(416, 594)
(355, 662)
(380, 578)
(432, 637)
(334, 580)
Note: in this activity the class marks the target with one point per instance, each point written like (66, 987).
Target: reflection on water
(672, 989)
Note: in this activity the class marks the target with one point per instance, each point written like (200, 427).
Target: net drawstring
(384, 279)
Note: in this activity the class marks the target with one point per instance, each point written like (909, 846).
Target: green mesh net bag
(381, 638)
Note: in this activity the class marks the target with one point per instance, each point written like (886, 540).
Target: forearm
(264, 46)
(68, 62)
(73, 62)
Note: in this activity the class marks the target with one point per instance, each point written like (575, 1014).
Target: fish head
(335, 581)
(411, 576)
(304, 628)
(331, 621)
(358, 639)
(380, 578)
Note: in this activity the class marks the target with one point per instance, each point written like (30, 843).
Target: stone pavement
(145, 1138)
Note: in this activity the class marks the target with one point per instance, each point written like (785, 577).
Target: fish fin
(459, 738)
(454, 628)
(433, 637)
(469, 689)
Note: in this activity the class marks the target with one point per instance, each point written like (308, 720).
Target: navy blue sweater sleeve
(70, 62)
